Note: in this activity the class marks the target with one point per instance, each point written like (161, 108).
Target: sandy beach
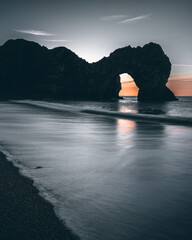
(23, 213)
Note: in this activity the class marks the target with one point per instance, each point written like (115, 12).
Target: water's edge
(43, 195)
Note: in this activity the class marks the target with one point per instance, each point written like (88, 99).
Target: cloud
(57, 40)
(113, 17)
(34, 32)
(182, 65)
(135, 19)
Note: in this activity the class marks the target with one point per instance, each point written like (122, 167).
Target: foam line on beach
(130, 116)
(15, 186)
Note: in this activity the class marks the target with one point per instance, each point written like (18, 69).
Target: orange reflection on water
(125, 125)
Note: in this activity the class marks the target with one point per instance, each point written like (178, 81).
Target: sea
(108, 177)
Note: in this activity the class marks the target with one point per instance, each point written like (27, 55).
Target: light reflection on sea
(109, 178)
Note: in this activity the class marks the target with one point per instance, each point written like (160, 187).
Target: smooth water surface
(108, 178)
(181, 108)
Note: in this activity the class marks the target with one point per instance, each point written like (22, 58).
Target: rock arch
(149, 67)
(28, 70)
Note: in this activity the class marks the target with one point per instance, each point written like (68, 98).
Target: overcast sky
(93, 29)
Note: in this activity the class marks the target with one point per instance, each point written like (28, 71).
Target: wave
(177, 120)
(24, 171)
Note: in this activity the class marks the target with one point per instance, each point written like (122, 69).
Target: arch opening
(128, 86)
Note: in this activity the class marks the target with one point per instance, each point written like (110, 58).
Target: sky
(93, 29)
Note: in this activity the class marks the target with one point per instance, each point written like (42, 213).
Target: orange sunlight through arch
(128, 86)
(179, 83)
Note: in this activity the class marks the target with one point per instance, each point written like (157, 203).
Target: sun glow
(180, 84)
(128, 86)
(90, 52)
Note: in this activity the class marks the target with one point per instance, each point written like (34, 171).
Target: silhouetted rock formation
(149, 67)
(28, 70)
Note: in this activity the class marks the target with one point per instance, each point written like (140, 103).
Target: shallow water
(181, 108)
(108, 178)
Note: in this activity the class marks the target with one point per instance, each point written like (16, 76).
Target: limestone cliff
(28, 70)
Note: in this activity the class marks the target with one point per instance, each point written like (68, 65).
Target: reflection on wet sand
(125, 125)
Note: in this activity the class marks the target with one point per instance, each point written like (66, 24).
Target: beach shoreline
(24, 214)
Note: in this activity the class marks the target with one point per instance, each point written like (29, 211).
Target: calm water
(181, 108)
(108, 178)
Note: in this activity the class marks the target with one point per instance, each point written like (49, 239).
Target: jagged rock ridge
(28, 70)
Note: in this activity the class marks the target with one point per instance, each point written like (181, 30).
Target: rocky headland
(28, 70)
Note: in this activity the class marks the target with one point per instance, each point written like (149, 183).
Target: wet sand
(24, 214)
